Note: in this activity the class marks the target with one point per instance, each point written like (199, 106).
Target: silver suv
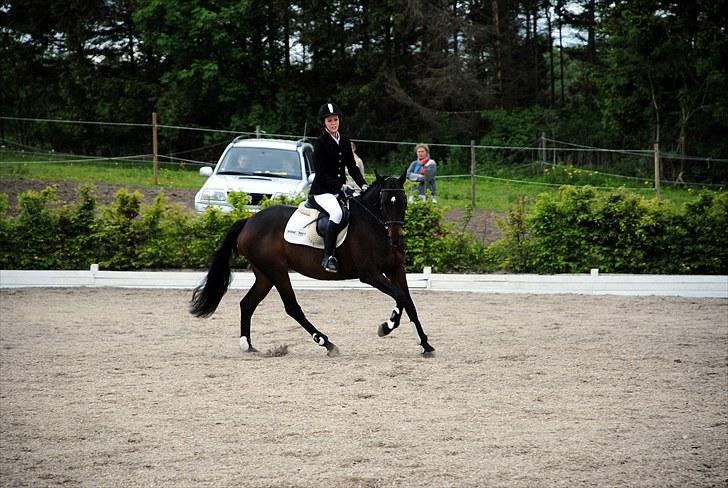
(259, 168)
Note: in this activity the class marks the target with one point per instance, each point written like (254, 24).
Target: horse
(373, 252)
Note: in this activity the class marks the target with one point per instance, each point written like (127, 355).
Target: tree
(662, 64)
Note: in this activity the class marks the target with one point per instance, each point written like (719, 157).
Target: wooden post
(543, 148)
(657, 169)
(472, 173)
(257, 132)
(155, 149)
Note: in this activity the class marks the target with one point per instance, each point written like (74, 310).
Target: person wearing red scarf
(423, 171)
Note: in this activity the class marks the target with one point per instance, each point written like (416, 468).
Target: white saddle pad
(301, 229)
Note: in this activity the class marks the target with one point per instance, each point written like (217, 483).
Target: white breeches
(331, 204)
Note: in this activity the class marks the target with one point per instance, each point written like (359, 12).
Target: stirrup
(330, 264)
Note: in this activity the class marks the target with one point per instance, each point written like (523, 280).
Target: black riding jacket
(330, 160)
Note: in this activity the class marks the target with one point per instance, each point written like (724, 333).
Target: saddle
(307, 225)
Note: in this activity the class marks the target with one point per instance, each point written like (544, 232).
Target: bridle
(387, 223)
(384, 223)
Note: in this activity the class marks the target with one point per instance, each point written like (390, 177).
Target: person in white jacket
(423, 171)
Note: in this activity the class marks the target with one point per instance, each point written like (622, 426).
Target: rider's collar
(336, 137)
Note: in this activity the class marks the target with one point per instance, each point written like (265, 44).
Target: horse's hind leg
(248, 304)
(283, 285)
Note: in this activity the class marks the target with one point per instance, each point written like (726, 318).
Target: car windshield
(256, 161)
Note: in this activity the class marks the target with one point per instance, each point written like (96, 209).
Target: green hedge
(126, 235)
(580, 228)
(568, 232)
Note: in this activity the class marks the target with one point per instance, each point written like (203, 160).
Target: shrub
(618, 232)
(568, 232)
(36, 240)
(700, 234)
(121, 233)
(78, 225)
(430, 242)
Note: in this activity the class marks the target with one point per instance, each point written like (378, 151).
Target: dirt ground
(121, 387)
(482, 224)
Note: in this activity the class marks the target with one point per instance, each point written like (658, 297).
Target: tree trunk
(561, 52)
(455, 27)
(287, 37)
(497, 45)
(552, 76)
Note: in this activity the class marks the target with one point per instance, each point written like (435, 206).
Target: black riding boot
(329, 263)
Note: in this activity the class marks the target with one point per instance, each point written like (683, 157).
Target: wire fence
(546, 162)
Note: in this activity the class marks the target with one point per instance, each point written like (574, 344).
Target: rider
(331, 154)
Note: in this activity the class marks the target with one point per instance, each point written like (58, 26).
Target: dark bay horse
(373, 252)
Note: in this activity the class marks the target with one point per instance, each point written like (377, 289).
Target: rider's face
(421, 153)
(332, 123)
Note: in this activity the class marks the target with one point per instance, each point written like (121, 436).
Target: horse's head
(392, 206)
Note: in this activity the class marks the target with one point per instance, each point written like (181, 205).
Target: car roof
(266, 143)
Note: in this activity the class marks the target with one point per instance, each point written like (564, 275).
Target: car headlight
(214, 195)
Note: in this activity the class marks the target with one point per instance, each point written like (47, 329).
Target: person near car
(332, 156)
(423, 171)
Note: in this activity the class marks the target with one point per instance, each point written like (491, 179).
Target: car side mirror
(206, 171)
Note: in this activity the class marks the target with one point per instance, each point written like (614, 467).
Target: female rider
(331, 155)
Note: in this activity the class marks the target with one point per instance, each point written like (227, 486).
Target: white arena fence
(594, 283)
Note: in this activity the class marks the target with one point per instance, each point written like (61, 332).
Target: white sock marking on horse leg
(244, 344)
(419, 339)
(390, 323)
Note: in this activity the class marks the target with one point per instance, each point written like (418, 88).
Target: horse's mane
(376, 187)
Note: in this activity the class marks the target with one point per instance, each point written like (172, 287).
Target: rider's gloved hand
(348, 191)
(364, 187)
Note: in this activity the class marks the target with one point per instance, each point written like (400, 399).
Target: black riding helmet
(328, 109)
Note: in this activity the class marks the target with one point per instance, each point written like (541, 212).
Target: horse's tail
(208, 294)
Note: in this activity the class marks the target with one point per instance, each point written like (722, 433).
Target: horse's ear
(402, 179)
(377, 175)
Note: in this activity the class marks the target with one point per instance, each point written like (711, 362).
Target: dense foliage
(572, 231)
(598, 72)
(616, 232)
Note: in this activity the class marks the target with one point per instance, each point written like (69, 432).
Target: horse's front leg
(385, 328)
(397, 288)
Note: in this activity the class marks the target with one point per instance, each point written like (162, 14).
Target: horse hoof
(383, 330)
(333, 352)
(245, 345)
(428, 354)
